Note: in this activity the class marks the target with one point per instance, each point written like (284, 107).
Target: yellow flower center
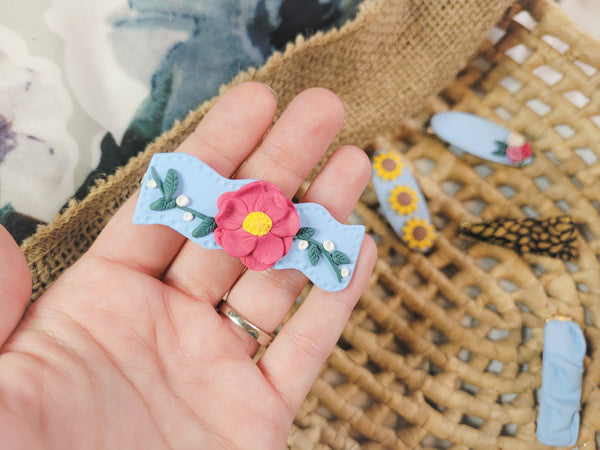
(257, 223)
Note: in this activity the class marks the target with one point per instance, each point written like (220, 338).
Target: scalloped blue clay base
(327, 257)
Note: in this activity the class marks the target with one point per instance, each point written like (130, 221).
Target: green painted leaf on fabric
(206, 227)
(162, 204)
(5, 212)
(305, 233)
(314, 254)
(340, 258)
(171, 183)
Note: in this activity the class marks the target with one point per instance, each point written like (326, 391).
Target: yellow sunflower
(387, 165)
(403, 199)
(418, 234)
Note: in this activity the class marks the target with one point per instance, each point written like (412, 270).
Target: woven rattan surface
(444, 349)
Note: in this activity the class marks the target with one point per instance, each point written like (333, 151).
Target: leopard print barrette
(552, 236)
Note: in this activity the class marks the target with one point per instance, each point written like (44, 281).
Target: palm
(126, 349)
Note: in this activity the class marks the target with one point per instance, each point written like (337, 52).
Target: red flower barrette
(249, 219)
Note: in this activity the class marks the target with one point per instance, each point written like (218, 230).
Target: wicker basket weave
(444, 349)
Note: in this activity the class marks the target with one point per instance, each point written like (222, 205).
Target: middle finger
(295, 144)
(265, 297)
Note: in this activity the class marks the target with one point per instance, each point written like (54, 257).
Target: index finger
(224, 138)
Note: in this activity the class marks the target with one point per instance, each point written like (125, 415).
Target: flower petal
(237, 242)
(250, 192)
(287, 244)
(287, 225)
(224, 197)
(218, 235)
(268, 249)
(251, 263)
(514, 154)
(273, 204)
(231, 214)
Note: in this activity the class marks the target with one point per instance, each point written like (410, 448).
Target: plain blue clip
(560, 394)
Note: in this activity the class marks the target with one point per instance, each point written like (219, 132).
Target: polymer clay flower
(418, 234)
(518, 154)
(403, 199)
(516, 148)
(256, 223)
(387, 165)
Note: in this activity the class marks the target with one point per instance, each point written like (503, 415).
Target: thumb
(15, 284)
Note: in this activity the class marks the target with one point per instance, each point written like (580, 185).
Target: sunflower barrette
(402, 201)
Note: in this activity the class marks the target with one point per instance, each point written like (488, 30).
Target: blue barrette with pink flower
(249, 219)
(482, 138)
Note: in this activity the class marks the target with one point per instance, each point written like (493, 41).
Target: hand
(126, 350)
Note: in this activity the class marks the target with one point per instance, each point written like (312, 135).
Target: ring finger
(265, 297)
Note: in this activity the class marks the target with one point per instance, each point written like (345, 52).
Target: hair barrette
(560, 394)
(552, 236)
(249, 219)
(401, 200)
(482, 138)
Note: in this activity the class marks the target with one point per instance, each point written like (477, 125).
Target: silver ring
(256, 333)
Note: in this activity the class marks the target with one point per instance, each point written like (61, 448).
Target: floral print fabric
(85, 88)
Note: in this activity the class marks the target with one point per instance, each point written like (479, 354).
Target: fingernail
(272, 90)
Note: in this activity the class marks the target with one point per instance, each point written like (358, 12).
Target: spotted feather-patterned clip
(553, 236)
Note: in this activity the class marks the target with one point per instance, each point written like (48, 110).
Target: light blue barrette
(249, 219)
(482, 138)
(560, 394)
(401, 200)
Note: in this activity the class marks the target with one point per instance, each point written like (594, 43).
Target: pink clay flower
(518, 154)
(256, 223)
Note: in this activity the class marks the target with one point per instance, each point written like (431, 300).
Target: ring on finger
(262, 337)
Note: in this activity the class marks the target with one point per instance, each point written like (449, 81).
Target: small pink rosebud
(519, 154)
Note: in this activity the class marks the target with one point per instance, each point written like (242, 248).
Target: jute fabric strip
(445, 349)
(382, 64)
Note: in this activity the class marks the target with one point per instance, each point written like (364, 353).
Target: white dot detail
(328, 245)
(152, 184)
(344, 272)
(182, 200)
(188, 217)
(515, 140)
(303, 245)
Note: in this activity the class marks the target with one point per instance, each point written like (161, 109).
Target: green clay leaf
(206, 227)
(305, 233)
(163, 204)
(340, 258)
(502, 146)
(157, 179)
(314, 254)
(171, 183)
